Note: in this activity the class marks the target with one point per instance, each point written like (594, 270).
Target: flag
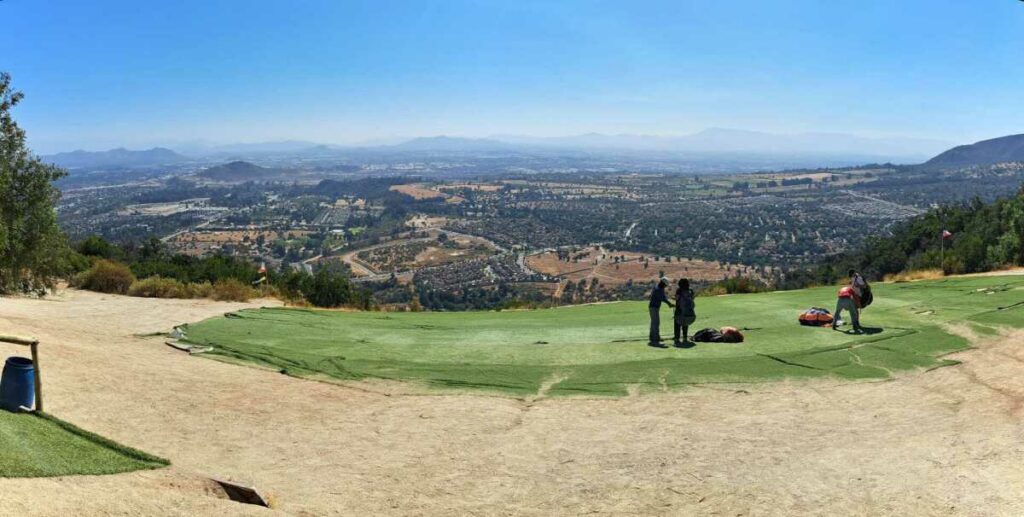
(946, 235)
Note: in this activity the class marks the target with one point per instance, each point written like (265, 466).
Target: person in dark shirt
(684, 315)
(658, 297)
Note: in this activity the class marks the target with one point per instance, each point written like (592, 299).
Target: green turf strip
(601, 349)
(42, 446)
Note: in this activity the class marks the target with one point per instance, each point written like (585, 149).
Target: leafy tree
(327, 289)
(32, 247)
(96, 246)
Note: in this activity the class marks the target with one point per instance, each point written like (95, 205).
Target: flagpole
(942, 242)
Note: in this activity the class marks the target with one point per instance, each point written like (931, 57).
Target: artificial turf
(601, 349)
(42, 446)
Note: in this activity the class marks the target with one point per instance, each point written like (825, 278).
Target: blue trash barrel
(18, 384)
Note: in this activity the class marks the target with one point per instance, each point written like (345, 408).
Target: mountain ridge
(1008, 148)
(238, 170)
(118, 157)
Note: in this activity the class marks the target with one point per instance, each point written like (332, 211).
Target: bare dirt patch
(613, 268)
(204, 242)
(417, 191)
(944, 442)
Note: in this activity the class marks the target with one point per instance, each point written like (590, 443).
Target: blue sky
(136, 73)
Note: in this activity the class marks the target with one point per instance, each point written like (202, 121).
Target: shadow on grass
(864, 331)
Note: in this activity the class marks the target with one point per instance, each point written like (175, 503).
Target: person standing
(658, 297)
(685, 313)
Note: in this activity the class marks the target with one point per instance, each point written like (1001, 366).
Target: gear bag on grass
(816, 317)
(731, 335)
(707, 336)
(724, 335)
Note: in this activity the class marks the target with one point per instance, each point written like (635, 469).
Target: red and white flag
(946, 235)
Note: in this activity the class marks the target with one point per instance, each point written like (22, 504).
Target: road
(912, 210)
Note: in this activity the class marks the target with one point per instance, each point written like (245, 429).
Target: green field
(601, 349)
(42, 446)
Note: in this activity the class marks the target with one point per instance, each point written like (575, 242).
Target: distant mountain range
(712, 146)
(452, 144)
(119, 157)
(718, 140)
(205, 149)
(986, 152)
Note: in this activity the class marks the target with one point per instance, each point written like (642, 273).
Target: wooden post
(942, 253)
(39, 377)
(33, 345)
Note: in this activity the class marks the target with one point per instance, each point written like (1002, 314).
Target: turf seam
(790, 363)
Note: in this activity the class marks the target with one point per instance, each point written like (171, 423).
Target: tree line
(982, 237)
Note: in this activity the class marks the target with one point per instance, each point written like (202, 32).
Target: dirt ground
(611, 273)
(944, 442)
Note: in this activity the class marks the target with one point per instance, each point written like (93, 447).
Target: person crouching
(849, 300)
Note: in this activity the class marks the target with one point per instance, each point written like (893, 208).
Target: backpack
(816, 317)
(707, 336)
(725, 335)
(867, 297)
(684, 303)
(731, 335)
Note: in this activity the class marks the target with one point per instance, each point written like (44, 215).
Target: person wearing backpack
(861, 287)
(857, 282)
(848, 300)
(658, 297)
(685, 313)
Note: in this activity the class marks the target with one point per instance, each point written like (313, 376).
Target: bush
(735, 285)
(106, 276)
(917, 274)
(232, 290)
(200, 290)
(157, 287)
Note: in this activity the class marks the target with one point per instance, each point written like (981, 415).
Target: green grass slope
(42, 446)
(601, 349)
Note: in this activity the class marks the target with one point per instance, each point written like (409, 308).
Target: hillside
(239, 171)
(985, 237)
(997, 150)
(119, 157)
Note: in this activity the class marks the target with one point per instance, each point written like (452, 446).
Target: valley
(448, 239)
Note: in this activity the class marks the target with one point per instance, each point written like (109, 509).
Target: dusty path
(946, 442)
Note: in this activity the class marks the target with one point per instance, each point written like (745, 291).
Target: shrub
(735, 285)
(157, 287)
(919, 274)
(200, 290)
(106, 276)
(232, 290)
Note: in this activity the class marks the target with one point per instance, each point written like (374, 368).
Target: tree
(33, 251)
(327, 289)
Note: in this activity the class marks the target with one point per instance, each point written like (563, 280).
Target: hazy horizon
(113, 74)
(551, 141)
